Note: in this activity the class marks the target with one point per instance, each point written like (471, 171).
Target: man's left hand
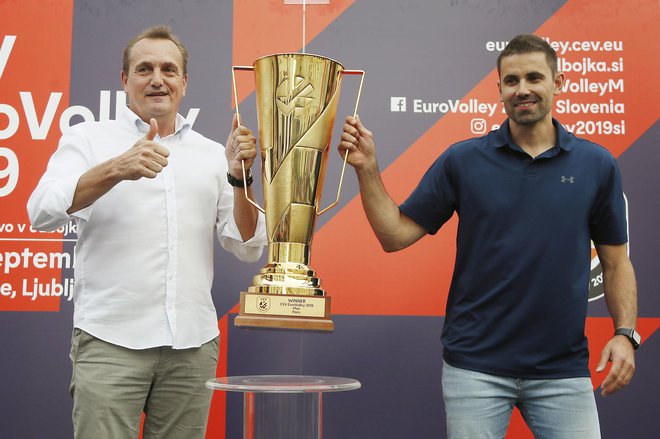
(241, 146)
(620, 352)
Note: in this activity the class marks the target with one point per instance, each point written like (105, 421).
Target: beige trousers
(112, 386)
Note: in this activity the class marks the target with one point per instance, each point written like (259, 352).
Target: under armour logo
(565, 179)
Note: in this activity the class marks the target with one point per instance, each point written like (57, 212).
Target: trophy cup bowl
(297, 96)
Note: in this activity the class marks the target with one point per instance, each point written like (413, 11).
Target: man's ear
(124, 79)
(559, 83)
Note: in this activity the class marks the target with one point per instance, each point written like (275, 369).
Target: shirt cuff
(258, 239)
(52, 202)
(247, 251)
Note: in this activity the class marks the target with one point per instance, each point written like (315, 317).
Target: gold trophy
(297, 96)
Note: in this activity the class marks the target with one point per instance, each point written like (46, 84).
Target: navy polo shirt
(518, 298)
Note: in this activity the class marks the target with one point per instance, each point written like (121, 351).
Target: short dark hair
(527, 43)
(159, 32)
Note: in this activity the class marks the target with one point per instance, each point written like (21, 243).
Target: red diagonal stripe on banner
(38, 66)
(262, 27)
(365, 280)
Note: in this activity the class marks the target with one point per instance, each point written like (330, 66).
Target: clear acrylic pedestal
(282, 406)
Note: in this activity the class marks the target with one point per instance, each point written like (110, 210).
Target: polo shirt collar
(127, 116)
(502, 136)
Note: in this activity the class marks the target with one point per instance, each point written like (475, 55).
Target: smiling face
(527, 87)
(155, 81)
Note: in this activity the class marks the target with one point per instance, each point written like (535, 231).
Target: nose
(156, 78)
(523, 88)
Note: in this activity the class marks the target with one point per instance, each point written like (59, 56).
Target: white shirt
(144, 257)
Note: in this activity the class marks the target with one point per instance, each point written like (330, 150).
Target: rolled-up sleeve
(247, 251)
(228, 233)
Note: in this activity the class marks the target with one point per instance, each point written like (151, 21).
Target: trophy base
(284, 311)
(248, 321)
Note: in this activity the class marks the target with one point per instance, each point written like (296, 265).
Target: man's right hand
(359, 142)
(145, 159)
(393, 229)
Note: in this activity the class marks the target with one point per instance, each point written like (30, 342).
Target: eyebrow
(532, 74)
(143, 64)
(535, 74)
(151, 64)
(172, 65)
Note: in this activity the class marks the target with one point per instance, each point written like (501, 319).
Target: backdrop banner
(431, 82)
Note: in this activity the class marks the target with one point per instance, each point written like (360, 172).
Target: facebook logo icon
(398, 104)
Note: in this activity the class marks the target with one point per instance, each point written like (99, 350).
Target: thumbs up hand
(145, 159)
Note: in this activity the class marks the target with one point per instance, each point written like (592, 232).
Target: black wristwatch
(238, 182)
(632, 335)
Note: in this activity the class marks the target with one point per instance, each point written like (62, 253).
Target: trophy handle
(238, 119)
(357, 102)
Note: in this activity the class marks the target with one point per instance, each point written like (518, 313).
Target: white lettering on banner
(563, 47)
(6, 290)
(5, 50)
(496, 46)
(584, 85)
(9, 174)
(104, 106)
(39, 130)
(12, 121)
(65, 230)
(9, 228)
(27, 258)
(565, 106)
(51, 288)
(588, 65)
(454, 106)
(606, 46)
(75, 110)
(591, 127)
(579, 80)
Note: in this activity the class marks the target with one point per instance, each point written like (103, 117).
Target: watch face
(632, 335)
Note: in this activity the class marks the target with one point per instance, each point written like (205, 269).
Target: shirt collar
(127, 116)
(502, 136)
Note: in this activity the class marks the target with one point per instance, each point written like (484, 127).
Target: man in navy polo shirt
(530, 197)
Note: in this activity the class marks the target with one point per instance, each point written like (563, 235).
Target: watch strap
(632, 335)
(238, 182)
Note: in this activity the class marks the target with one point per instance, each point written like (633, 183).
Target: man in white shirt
(147, 193)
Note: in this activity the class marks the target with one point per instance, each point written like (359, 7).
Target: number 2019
(8, 171)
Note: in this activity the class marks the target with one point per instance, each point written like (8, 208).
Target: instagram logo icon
(478, 126)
